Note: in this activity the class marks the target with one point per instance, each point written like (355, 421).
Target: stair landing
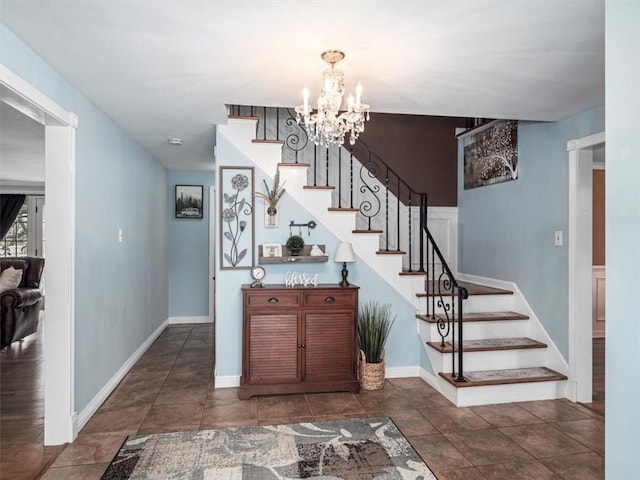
(502, 377)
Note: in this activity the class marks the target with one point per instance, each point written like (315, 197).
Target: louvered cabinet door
(330, 351)
(274, 351)
(299, 340)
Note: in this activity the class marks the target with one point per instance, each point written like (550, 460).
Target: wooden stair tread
(414, 272)
(243, 117)
(367, 231)
(472, 288)
(266, 140)
(318, 187)
(293, 164)
(477, 317)
(488, 345)
(343, 209)
(505, 377)
(391, 252)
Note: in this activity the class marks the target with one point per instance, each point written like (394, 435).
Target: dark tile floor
(171, 389)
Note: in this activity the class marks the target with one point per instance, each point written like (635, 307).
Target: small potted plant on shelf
(374, 325)
(295, 244)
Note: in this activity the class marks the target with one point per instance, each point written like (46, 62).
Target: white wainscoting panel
(599, 278)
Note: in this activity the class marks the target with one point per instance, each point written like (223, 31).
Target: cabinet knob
(301, 345)
(273, 300)
(329, 299)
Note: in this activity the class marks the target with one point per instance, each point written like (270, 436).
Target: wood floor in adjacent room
(170, 389)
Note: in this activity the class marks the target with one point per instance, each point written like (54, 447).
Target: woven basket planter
(370, 375)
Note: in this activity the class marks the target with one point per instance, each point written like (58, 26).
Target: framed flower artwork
(237, 231)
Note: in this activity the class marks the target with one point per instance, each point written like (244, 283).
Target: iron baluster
(462, 295)
(315, 165)
(351, 178)
(295, 141)
(398, 216)
(409, 219)
(264, 123)
(423, 227)
(386, 208)
(369, 208)
(339, 177)
(327, 171)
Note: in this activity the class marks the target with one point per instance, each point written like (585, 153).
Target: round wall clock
(257, 273)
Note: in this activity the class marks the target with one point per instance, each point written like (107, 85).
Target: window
(26, 236)
(14, 244)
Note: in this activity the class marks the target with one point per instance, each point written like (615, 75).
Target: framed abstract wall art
(491, 154)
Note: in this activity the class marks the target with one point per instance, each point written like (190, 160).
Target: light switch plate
(558, 238)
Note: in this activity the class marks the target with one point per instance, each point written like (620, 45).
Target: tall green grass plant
(374, 325)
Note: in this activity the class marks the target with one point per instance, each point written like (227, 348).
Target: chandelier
(328, 126)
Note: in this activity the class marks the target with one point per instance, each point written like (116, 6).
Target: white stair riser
(514, 392)
(479, 330)
(475, 303)
(491, 360)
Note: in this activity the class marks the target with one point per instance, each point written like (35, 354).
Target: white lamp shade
(344, 253)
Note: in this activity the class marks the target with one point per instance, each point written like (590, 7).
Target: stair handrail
(446, 278)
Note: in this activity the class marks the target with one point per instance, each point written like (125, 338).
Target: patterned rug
(362, 449)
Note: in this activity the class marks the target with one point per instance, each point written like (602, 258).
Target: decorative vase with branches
(272, 197)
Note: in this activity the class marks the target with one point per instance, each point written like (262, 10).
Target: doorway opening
(59, 189)
(581, 277)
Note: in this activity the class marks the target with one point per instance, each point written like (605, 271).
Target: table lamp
(344, 254)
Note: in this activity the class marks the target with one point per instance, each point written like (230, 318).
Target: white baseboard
(183, 320)
(81, 419)
(227, 381)
(402, 372)
(430, 378)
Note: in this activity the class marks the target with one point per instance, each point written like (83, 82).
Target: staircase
(504, 350)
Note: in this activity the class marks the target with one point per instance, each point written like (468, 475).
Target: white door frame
(580, 152)
(60, 162)
(212, 254)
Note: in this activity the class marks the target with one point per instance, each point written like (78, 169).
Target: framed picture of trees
(188, 201)
(237, 229)
(491, 154)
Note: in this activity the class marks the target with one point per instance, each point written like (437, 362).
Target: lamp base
(345, 272)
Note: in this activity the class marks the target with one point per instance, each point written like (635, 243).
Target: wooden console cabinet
(298, 340)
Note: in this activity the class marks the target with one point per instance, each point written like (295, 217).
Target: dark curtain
(10, 205)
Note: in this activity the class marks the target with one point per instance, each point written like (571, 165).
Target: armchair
(19, 307)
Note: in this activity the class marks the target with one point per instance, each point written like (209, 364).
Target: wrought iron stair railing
(386, 205)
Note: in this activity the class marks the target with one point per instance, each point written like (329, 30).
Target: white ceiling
(21, 148)
(165, 69)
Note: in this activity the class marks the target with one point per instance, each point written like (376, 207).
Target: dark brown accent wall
(423, 150)
(598, 218)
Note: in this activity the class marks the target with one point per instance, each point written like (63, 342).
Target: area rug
(360, 449)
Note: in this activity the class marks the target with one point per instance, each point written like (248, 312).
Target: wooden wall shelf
(286, 257)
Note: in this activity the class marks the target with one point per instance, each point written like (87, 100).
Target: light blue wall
(403, 347)
(121, 288)
(506, 230)
(623, 239)
(188, 250)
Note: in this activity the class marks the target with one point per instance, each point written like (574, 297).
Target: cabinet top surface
(281, 286)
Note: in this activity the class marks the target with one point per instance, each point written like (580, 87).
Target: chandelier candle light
(328, 126)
